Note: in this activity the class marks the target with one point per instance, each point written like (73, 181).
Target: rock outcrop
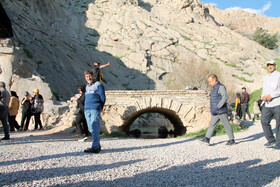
(162, 45)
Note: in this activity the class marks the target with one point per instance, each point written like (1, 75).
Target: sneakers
(83, 139)
(92, 150)
(269, 144)
(6, 138)
(205, 140)
(277, 147)
(230, 142)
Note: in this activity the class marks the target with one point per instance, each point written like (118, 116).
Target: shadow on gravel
(148, 146)
(199, 174)
(33, 137)
(40, 174)
(41, 158)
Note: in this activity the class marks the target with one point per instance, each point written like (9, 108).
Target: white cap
(272, 62)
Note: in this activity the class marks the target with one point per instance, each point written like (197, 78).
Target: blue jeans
(93, 122)
(267, 114)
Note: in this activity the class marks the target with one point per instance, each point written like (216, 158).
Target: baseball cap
(272, 62)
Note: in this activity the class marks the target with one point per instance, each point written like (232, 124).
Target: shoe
(269, 144)
(92, 150)
(83, 139)
(6, 138)
(277, 147)
(34, 129)
(205, 140)
(230, 142)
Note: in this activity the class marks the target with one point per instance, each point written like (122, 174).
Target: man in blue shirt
(271, 105)
(94, 102)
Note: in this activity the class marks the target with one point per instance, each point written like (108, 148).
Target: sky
(266, 7)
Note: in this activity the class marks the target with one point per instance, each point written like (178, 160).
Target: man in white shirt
(271, 105)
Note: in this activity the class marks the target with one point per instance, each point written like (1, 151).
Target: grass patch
(113, 74)
(28, 53)
(56, 95)
(220, 130)
(119, 57)
(94, 35)
(242, 78)
(246, 73)
(73, 49)
(232, 65)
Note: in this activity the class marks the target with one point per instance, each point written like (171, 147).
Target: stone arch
(179, 128)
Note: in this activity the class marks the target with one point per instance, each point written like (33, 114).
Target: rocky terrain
(166, 44)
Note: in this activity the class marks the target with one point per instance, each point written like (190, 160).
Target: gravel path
(40, 159)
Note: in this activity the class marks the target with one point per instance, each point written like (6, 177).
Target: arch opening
(174, 119)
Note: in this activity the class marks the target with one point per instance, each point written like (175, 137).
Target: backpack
(38, 104)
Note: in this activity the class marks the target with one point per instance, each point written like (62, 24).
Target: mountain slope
(152, 44)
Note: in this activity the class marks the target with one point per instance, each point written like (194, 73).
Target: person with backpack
(97, 73)
(245, 98)
(37, 108)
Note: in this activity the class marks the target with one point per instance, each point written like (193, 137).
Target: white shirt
(271, 86)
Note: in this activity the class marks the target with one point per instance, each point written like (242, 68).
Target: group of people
(242, 104)
(269, 106)
(9, 106)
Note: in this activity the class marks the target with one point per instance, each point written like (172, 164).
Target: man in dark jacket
(26, 111)
(245, 97)
(218, 107)
(80, 119)
(4, 110)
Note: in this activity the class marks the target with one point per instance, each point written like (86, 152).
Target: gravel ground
(41, 159)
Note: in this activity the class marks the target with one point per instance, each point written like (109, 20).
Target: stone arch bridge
(184, 109)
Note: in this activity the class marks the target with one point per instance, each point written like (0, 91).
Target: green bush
(267, 40)
(220, 130)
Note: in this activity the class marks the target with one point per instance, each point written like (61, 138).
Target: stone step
(6, 50)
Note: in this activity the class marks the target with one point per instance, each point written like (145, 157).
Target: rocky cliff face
(150, 44)
(153, 44)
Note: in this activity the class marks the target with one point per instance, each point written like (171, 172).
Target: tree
(265, 39)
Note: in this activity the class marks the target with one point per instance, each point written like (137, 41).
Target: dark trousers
(25, 118)
(81, 124)
(245, 110)
(238, 111)
(4, 111)
(37, 120)
(13, 123)
(267, 114)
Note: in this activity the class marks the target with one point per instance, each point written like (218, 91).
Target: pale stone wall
(192, 107)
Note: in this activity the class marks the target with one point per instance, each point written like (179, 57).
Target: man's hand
(268, 98)
(264, 98)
